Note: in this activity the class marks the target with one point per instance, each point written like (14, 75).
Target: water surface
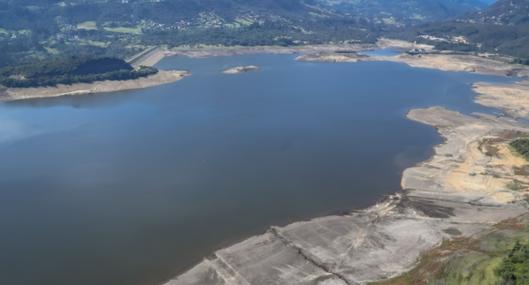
(134, 187)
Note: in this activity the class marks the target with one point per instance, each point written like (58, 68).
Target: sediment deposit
(512, 98)
(330, 57)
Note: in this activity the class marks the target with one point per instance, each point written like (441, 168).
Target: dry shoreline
(319, 53)
(162, 77)
(461, 191)
(149, 57)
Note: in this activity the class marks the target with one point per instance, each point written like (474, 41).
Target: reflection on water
(134, 187)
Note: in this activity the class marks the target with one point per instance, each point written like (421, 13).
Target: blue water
(135, 187)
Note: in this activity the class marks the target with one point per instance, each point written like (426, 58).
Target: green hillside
(36, 29)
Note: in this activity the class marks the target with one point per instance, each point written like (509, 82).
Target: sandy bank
(330, 57)
(162, 77)
(454, 62)
(207, 51)
(512, 98)
(400, 44)
(439, 61)
(474, 164)
(425, 57)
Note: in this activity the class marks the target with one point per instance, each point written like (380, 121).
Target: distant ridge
(32, 29)
(501, 28)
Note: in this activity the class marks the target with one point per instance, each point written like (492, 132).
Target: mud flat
(455, 62)
(207, 51)
(240, 69)
(162, 77)
(421, 56)
(331, 57)
(512, 98)
(400, 44)
(439, 61)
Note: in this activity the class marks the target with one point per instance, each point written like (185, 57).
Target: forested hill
(69, 70)
(42, 28)
(408, 12)
(501, 28)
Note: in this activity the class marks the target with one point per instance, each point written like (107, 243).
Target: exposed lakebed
(135, 187)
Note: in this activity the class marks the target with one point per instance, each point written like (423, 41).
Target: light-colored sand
(474, 163)
(207, 51)
(394, 43)
(330, 57)
(426, 58)
(162, 77)
(482, 173)
(513, 98)
(453, 62)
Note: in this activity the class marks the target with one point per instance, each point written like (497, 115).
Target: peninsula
(79, 76)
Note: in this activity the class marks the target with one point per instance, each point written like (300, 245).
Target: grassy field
(521, 146)
(94, 43)
(466, 261)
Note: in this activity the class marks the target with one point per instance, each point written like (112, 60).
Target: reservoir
(135, 187)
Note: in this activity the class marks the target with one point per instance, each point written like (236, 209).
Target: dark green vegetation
(70, 70)
(36, 29)
(521, 146)
(499, 257)
(41, 29)
(515, 267)
(502, 28)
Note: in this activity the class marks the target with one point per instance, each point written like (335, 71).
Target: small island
(240, 69)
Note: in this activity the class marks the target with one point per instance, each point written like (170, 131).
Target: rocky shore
(208, 51)
(462, 191)
(432, 60)
(331, 57)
